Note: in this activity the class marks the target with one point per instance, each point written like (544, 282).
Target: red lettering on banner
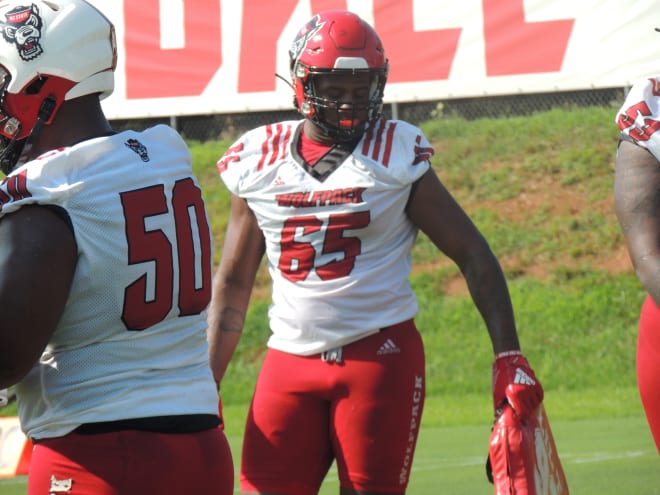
(414, 55)
(152, 72)
(514, 46)
(263, 23)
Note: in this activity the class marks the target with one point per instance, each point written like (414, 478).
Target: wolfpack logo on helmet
(23, 28)
(301, 40)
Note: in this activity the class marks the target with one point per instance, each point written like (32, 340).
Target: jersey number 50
(144, 245)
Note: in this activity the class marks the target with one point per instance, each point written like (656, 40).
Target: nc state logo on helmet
(51, 51)
(337, 42)
(23, 28)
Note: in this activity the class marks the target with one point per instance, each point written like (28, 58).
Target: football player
(335, 201)
(636, 200)
(105, 273)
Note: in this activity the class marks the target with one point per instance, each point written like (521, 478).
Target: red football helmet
(338, 43)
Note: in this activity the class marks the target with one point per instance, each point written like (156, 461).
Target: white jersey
(639, 116)
(131, 342)
(338, 240)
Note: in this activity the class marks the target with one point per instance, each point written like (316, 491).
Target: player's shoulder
(646, 85)
(161, 132)
(402, 138)
(258, 145)
(41, 180)
(158, 138)
(399, 148)
(644, 92)
(638, 118)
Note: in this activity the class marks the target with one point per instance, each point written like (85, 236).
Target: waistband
(400, 326)
(335, 355)
(186, 423)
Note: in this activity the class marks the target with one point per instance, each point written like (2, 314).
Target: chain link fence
(230, 126)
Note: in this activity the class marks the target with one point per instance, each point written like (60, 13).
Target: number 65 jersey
(338, 240)
(131, 342)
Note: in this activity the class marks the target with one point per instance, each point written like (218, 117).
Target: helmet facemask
(10, 128)
(344, 118)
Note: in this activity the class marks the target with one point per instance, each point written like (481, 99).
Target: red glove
(514, 382)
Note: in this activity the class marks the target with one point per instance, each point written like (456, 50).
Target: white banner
(186, 57)
(15, 448)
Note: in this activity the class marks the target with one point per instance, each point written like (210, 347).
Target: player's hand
(514, 382)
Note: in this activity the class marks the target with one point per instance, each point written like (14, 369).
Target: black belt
(185, 423)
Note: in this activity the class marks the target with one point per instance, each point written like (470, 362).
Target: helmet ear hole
(34, 88)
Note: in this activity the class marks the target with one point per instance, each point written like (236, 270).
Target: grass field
(600, 457)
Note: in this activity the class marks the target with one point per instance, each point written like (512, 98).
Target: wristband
(508, 353)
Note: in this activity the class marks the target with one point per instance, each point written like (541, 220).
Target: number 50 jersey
(338, 240)
(131, 342)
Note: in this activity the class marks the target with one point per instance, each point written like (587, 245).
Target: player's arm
(637, 206)
(433, 209)
(242, 252)
(37, 262)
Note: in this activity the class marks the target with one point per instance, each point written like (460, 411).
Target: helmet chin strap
(17, 152)
(9, 155)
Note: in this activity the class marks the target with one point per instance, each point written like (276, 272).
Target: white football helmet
(50, 51)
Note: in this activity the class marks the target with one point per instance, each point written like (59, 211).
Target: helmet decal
(306, 34)
(23, 28)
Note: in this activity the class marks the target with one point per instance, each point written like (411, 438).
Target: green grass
(578, 337)
(610, 456)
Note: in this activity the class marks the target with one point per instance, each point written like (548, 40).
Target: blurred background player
(105, 273)
(637, 205)
(335, 201)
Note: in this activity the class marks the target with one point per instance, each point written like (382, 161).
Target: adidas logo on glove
(523, 378)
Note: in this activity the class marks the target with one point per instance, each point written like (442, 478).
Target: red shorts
(364, 411)
(133, 462)
(648, 365)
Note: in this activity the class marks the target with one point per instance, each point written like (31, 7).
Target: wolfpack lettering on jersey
(308, 199)
(335, 232)
(639, 116)
(128, 293)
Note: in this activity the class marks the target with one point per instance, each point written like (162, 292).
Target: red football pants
(648, 365)
(365, 412)
(133, 463)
